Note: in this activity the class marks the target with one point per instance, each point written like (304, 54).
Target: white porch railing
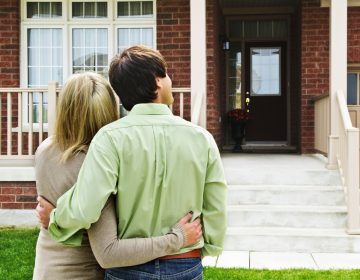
(178, 107)
(26, 122)
(348, 162)
(27, 115)
(322, 123)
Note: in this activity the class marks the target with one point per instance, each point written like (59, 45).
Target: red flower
(237, 115)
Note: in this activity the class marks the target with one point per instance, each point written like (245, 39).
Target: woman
(87, 103)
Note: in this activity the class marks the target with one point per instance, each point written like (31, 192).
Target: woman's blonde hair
(86, 103)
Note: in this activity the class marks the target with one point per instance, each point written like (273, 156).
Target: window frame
(112, 22)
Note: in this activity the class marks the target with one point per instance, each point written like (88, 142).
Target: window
(353, 87)
(265, 71)
(72, 36)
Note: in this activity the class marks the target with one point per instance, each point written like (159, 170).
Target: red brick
(11, 190)
(7, 198)
(12, 206)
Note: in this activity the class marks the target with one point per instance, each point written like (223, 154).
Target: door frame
(243, 42)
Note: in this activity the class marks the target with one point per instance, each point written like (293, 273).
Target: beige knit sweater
(56, 261)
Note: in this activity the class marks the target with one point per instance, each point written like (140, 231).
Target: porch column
(198, 61)
(338, 71)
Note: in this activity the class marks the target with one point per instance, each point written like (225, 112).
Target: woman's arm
(110, 251)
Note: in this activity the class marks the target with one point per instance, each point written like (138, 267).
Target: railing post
(51, 106)
(353, 181)
(333, 150)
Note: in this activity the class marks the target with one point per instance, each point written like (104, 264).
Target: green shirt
(160, 167)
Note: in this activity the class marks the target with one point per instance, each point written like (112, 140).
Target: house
(294, 64)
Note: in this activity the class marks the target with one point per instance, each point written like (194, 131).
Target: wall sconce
(225, 43)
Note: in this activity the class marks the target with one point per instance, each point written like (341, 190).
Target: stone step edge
(290, 232)
(289, 188)
(287, 208)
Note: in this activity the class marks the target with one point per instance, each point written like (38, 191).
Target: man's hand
(43, 210)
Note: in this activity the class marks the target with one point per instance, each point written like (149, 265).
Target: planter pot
(238, 133)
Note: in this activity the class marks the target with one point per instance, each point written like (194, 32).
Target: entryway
(261, 77)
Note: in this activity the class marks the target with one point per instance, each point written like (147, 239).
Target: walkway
(284, 260)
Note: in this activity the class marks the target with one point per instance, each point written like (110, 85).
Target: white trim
(350, 3)
(17, 174)
(338, 70)
(198, 61)
(18, 218)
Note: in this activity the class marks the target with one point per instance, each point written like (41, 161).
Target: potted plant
(238, 119)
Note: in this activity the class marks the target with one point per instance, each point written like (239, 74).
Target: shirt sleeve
(110, 251)
(81, 205)
(214, 215)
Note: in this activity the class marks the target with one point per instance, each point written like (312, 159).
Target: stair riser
(250, 218)
(245, 176)
(311, 244)
(274, 197)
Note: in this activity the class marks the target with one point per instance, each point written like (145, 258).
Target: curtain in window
(90, 50)
(134, 36)
(45, 62)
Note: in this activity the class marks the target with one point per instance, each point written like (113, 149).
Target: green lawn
(17, 252)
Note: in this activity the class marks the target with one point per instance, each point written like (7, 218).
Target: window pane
(147, 8)
(135, 36)
(44, 9)
(32, 10)
(123, 39)
(123, 9)
(135, 8)
(43, 55)
(77, 9)
(102, 9)
(352, 88)
(280, 29)
(91, 53)
(265, 71)
(250, 28)
(265, 29)
(236, 29)
(89, 9)
(147, 37)
(56, 9)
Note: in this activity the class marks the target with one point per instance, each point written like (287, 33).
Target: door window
(265, 71)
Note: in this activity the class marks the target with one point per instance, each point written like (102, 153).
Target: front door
(265, 92)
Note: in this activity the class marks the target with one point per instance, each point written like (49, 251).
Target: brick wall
(173, 41)
(214, 73)
(315, 60)
(17, 195)
(9, 43)
(354, 35)
(9, 59)
(314, 66)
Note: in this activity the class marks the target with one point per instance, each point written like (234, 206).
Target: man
(158, 165)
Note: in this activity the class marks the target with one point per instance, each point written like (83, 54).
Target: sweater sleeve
(110, 251)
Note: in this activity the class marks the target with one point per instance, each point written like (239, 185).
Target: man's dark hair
(133, 74)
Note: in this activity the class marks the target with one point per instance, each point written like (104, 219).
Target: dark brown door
(265, 86)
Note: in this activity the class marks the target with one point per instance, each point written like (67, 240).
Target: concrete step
(281, 176)
(297, 216)
(291, 240)
(285, 194)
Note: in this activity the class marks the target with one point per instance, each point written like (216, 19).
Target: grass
(17, 253)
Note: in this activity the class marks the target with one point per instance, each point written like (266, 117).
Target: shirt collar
(150, 109)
